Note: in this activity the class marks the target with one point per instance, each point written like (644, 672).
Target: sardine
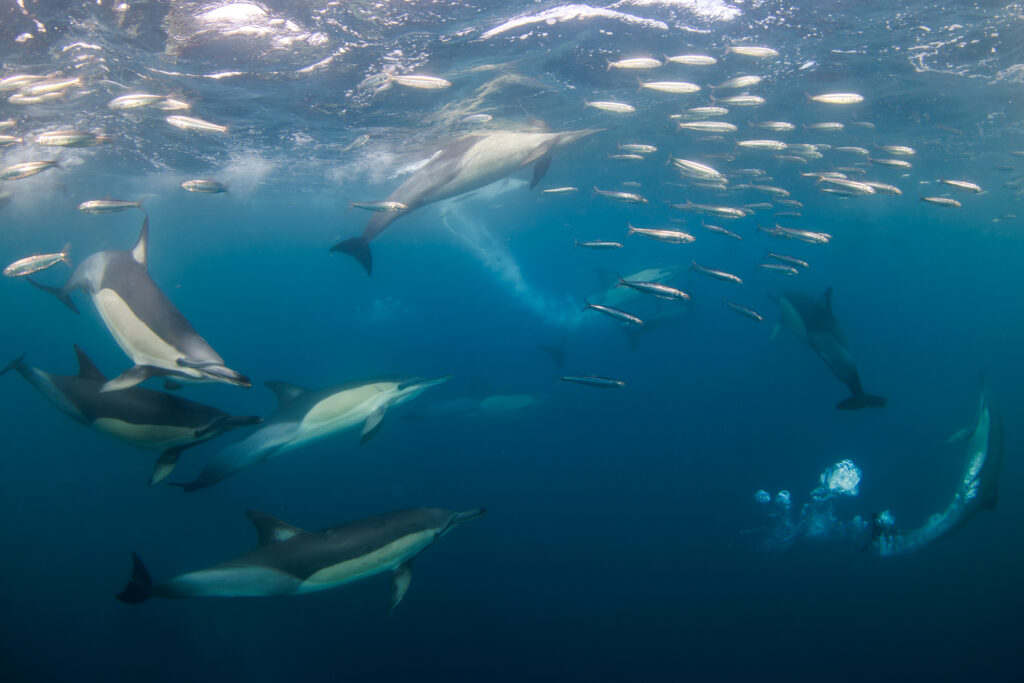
(716, 274)
(204, 186)
(595, 381)
(656, 288)
(662, 235)
(615, 313)
(193, 124)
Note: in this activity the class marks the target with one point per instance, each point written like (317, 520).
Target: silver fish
(838, 98)
(942, 201)
(692, 60)
(204, 186)
(70, 138)
(613, 107)
(594, 381)
(421, 82)
(100, 206)
(597, 244)
(656, 288)
(716, 274)
(667, 236)
(26, 169)
(191, 123)
(752, 51)
(625, 197)
(634, 63)
(779, 268)
(36, 263)
(560, 190)
(744, 311)
(392, 207)
(615, 313)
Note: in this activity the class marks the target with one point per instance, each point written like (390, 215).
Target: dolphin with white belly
(812, 321)
(305, 416)
(467, 164)
(144, 418)
(976, 491)
(291, 561)
(143, 321)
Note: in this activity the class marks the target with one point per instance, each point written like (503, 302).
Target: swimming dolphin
(467, 164)
(290, 561)
(812, 321)
(142, 417)
(493, 405)
(975, 492)
(142, 320)
(304, 416)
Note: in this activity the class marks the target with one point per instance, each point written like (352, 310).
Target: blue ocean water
(622, 539)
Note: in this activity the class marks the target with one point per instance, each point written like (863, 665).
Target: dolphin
(291, 561)
(142, 320)
(812, 321)
(493, 405)
(469, 163)
(976, 491)
(142, 417)
(304, 416)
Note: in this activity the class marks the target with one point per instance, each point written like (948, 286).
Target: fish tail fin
(139, 587)
(861, 400)
(58, 292)
(359, 249)
(575, 243)
(65, 254)
(586, 305)
(13, 364)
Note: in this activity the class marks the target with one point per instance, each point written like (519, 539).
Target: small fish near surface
(421, 82)
(668, 236)
(611, 107)
(812, 321)
(193, 124)
(292, 561)
(70, 138)
(382, 206)
(634, 63)
(37, 263)
(614, 313)
(945, 202)
(594, 381)
(662, 291)
(597, 244)
(744, 311)
(204, 186)
(715, 274)
(142, 320)
(624, 197)
(102, 206)
(147, 419)
(26, 169)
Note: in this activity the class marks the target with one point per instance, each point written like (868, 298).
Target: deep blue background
(621, 536)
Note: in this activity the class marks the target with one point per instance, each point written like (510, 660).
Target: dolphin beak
(224, 374)
(461, 517)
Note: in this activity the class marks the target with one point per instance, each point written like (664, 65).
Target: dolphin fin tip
(139, 587)
(359, 249)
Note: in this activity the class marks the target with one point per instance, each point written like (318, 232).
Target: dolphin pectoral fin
(165, 465)
(140, 252)
(961, 435)
(129, 378)
(373, 423)
(58, 292)
(775, 330)
(139, 587)
(359, 249)
(540, 169)
(400, 584)
(862, 400)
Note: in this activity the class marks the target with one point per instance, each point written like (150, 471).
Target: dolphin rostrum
(142, 417)
(291, 561)
(812, 321)
(975, 492)
(142, 320)
(469, 163)
(304, 416)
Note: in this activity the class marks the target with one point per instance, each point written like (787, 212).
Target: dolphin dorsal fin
(140, 251)
(86, 368)
(284, 391)
(270, 529)
(826, 300)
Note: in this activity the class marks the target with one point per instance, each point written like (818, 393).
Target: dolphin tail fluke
(58, 292)
(359, 249)
(164, 465)
(140, 585)
(861, 400)
(13, 365)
